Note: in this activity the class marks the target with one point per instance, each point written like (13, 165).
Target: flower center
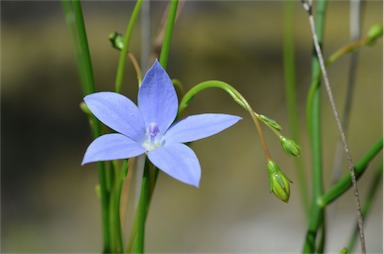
(151, 142)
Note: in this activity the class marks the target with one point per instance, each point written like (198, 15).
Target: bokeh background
(48, 201)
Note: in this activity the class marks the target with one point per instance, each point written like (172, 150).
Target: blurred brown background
(48, 199)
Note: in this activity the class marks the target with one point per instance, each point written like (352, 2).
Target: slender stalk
(168, 33)
(85, 55)
(113, 227)
(316, 217)
(235, 95)
(345, 182)
(308, 8)
(145, 35)
(115, 208)
(291, 96)
(136, 241)
(142, 210)
(124, 51)
(377, 179)
(74, 17)
(355, 28)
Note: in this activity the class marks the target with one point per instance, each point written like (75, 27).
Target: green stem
(317, 212)
(345, 182)
(112, 200)
(74, 17)
(179, 88)
(136, 241)
(323, 233)
(142, 210)
(291, 95)
(235, 95)
(124, 51)
(347, 49)
(115, 222)
(353, 46)
(88, 82)
(168, 33)
(367, 205)
(316, 217)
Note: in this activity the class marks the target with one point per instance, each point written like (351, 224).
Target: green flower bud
(290, 146)
(98, 191)
(116, 40)
(374, 33)
(85, 108)
(278, 182)
(272, 123)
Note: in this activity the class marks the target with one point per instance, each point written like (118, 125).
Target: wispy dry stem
(308, 7)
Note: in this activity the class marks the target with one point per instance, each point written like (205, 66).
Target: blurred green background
(48, 200)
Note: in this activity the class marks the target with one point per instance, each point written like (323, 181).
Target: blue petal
(117, 112)
(198, 126)
(178, 161)
(157, 98)
(112, 147)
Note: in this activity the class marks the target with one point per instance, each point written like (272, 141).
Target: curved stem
(235, 95)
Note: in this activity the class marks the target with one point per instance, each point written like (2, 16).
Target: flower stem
(316, 217)
(142, 211)
(374, 187)
(291, 96)
(124, 51)
(345, 182)
(74, 17)
(235, 95)
(115, 207)
(136, 241)
(168, 33)
(308, 8)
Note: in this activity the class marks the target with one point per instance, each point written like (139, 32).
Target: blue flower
(149, 128)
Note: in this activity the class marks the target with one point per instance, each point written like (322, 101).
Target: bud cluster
(279, 183)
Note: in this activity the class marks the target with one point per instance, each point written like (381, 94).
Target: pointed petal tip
(197, 186)
(178, 161)
(84, 161)
(193, 183)
(199, 126)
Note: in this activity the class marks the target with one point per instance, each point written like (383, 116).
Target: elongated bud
(272, 123)
(278, 182)
(290, 146)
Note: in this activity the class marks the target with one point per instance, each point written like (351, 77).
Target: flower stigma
(151, 142)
